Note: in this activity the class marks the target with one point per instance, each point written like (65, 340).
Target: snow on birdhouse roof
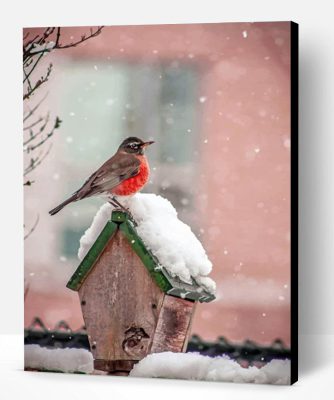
(168, 248)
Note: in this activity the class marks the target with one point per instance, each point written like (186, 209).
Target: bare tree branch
(26, 289)
(42, 80)
(36, 161)
(32, 228)
(33, 147)
(83, 38)
(31, 112)
(35, 136)
(40, 119)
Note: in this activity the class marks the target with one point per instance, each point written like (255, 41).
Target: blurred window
(105, 103)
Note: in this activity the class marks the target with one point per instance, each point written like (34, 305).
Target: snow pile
(170, 240)
(65, 360)
(198, 367)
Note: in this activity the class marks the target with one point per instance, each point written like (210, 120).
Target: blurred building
(216, 99)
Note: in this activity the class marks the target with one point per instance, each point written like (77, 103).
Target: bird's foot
(118, 206)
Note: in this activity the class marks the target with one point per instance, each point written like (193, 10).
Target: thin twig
(33, 135)
(38, 83)
(32, 68)
(26, 289)
(40, 119)
(27, 79)
(35, 162)
(32, 228)
(58, 36)
(31, 112)
(83, 38)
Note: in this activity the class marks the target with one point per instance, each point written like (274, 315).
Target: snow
(65, 360)
(162, 365)
(170, 240)
(47, 46)
(198, 367)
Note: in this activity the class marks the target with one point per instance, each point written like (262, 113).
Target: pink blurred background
(216, 99)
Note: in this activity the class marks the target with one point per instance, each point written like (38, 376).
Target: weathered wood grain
(115, 367)
(173, 326)
(120, 304)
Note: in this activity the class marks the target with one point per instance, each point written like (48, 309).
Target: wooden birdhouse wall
(120, 304)
(125, 303)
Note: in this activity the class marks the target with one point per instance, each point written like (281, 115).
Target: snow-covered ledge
(61, 360)
(191, 366)
(195, 366)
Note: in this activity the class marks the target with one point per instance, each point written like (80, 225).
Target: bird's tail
(63, 204)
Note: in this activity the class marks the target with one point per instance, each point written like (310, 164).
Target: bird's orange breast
(134, 184)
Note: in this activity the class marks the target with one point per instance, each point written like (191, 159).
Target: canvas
(160, 180)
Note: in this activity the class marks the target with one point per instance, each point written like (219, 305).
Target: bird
(124, 174)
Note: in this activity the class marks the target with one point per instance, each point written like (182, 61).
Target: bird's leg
(123, 208)
(110, 201)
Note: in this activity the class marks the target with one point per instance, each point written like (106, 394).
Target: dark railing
(246, 353)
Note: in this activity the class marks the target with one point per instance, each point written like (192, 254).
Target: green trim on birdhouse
(147, 258)
(119, 216)
(89, 260)
(166, 282)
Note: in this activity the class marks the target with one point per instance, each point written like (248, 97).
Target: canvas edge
(294, 200)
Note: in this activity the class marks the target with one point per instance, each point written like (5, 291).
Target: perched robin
(124, 174)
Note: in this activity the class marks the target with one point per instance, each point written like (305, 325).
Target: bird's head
(134, 145)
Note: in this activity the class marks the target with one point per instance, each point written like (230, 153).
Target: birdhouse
(131, 304)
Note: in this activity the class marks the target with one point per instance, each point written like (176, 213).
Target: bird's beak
(147, 143)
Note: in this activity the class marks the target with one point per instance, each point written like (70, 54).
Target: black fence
(246, 353)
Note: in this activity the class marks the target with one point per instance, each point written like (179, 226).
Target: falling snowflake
(279, 41)
(110, 102)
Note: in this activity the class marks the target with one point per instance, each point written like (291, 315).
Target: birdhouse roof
(169, 284)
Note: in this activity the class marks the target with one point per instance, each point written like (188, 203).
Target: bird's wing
(114, 171)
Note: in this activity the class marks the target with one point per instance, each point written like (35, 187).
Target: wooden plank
(186, 339)
(173, 326)
(120, 303)
(115, 367)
